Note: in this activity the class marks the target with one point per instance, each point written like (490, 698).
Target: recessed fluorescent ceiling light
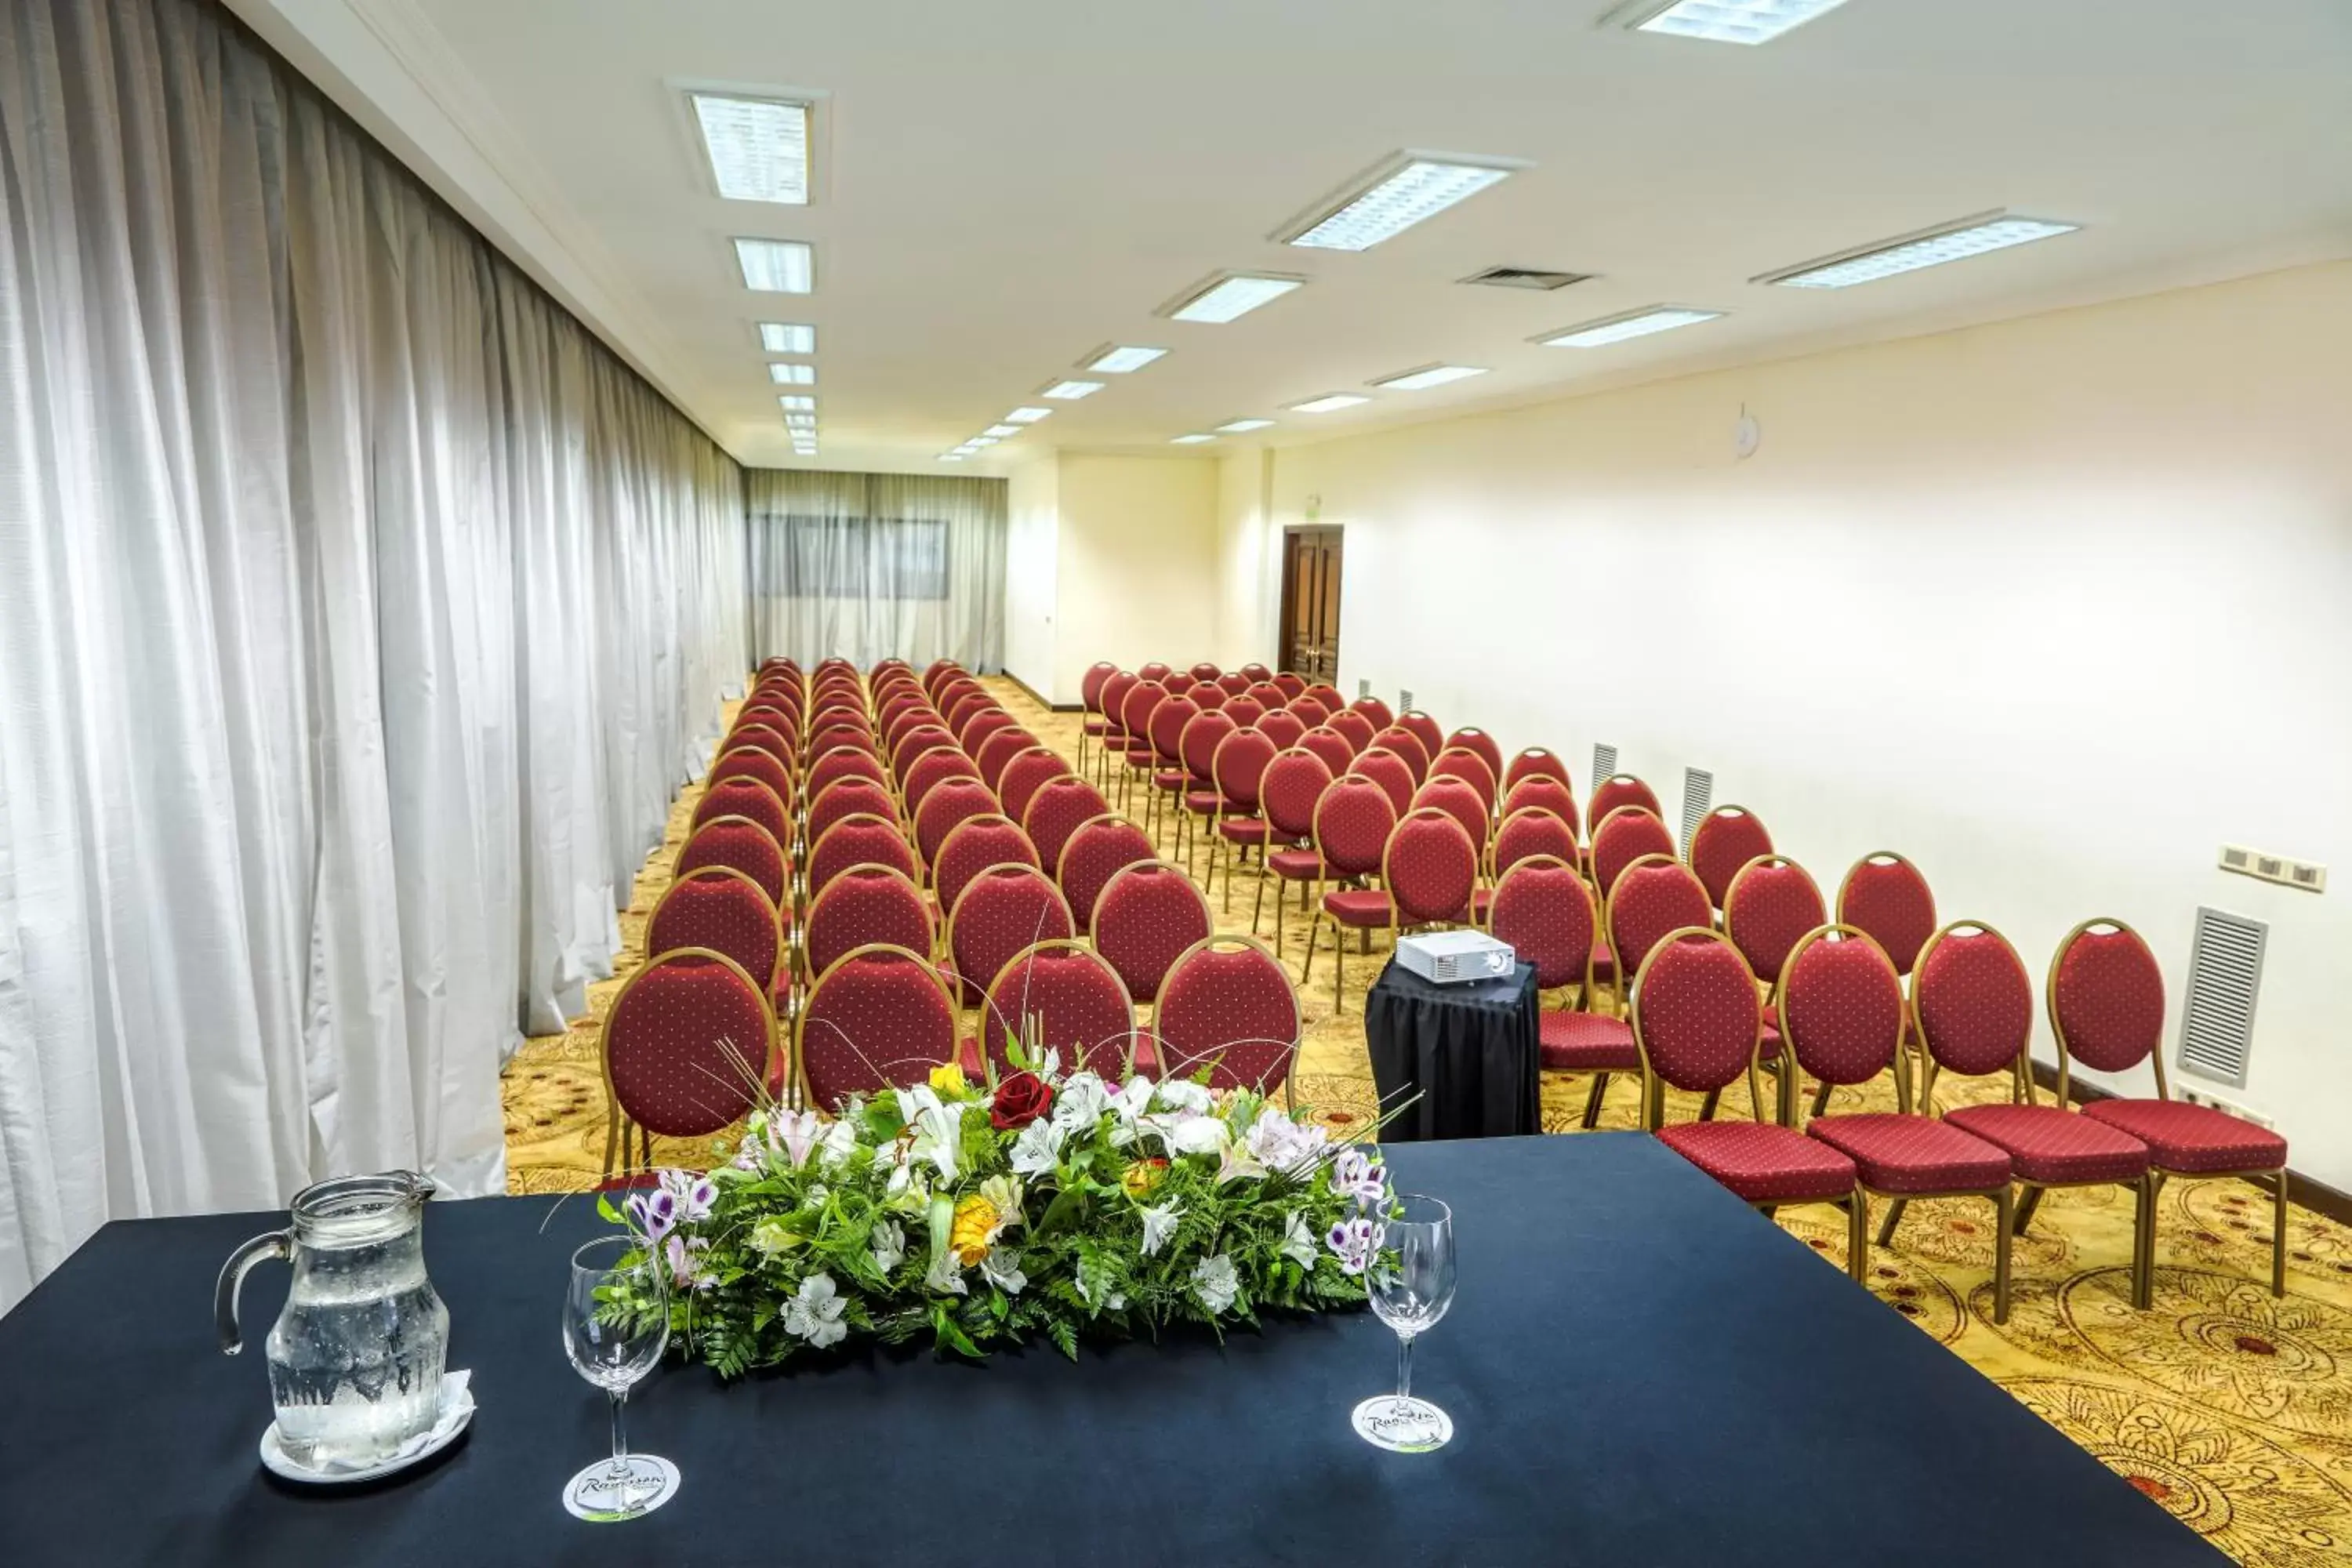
(758, 147)
(1121, 358)
(1028, 415)
(1071, 391)
(950, 456)
(1953, 242)
(982, 441)
(1633, 324)
(776, 266)
(1435, 375)
(792, 374)
(1732, 21)
(1001, 430)
(1225, 299)
(1239, 426)
(792, 403)
(1422, 189)
(1329, 403)
(1188, 440)
(787, 338)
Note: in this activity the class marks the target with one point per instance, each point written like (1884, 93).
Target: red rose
(1020, 1100)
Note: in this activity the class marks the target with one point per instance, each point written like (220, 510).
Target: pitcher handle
(277, 1244)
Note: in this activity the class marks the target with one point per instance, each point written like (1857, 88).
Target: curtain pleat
(360, 615)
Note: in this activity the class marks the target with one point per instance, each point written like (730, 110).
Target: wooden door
(1310, 603)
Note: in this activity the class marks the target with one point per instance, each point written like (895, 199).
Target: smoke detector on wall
(1526, 278)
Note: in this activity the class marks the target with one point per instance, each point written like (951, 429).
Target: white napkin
(456, 1405)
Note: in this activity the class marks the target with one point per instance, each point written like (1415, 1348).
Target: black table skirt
(1469, 1052)
(1640, 1368)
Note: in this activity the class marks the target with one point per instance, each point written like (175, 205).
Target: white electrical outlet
(2267, 868)
(2213, 1101)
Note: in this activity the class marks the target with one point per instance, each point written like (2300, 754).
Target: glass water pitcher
(355, 1359)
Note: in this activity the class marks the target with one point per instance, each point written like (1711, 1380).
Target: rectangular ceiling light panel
(1188, 440)
(792, 374)
(1435, 375)
(776, 266)
(1227, 298)
(1952, 242)
(1028, 415)
(787, 338)
(1243, 427)
(1730, 21)
(1001, 430)
(1400, 198)
(1633, 324)
(1071, 391)
(758, 147)
(1119, 359)
(796, 403)
(1329, 403)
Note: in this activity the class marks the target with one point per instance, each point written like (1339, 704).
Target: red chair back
(1330, 696)
(993, 753)
(1425, 729)
(1114, 702)
(1293, 782)
(1091, 684)
(1973, 1000)
(1353, 820)
(1204, 671)
(1620, 790)
(1307, 710)
(877, 1018)
(1135, 714)
(743, 843)
(946, 808)
(1056, 812)
(1404, 743)
(1537, 763)
(1625, 836)
(1026, 773)
(1462, 762)
(1266, 695)
(776, 743)
(751, 763)
(1543, 909)
(1004, 910)
(1841, 1006)
(860, 840)
(1206, 695)
(1257, 671)
(1430, 867)
(1288, 683)
(2106, 997)
(1144, 918)
(1353, 728)
(1379, 713)
(1769, 905)
(863, 905)
(1233, 683)
(1459, 799)
(1228, 1004)
(937, 672)
(1238, 766)
(915, 744)
(1332, 747)
(1490, 751)
(1093, 853)
(1168, 722)
(844, 762)
(1198, 745)
(1075, 1002)
(935, 768)
(1725, 840)
(1391, 772)
(1654, 896)
(1531, 832)
(689, 1043)
(1245, 711)
(1543, 792)
(972, 847)
(721, 909)
(1157, 671)
(981, 725)
(1884, 895)
(850, 797)
(1282, 727)
(1696, 1018)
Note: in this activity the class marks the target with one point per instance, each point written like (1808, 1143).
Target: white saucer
(275, 1459)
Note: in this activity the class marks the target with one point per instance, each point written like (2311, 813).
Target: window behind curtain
(860, 558)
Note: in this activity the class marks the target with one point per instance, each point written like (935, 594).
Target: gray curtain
(873, 567)
(359, 615)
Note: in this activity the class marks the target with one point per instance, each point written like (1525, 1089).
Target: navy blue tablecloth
(1464, 1061)
(1640, 1371)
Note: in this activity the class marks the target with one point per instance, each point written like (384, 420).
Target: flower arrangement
(1044, 1202)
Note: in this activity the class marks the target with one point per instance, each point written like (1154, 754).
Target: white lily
(840, 1143)
(888, 1241)
(795, 1132)
(939, 1137)
(1159, 1224)
(1297, 1240)
(1215, 1282)
(1198, 1135)
(1081, 1102)
(814, 1313)
(1003, 1193)
(1001, 1270)
(915, 1099)
(1037, 1151)
(1236, 1164)
(1177, 1094)
(1131, 1102)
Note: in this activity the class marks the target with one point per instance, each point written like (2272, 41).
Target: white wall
(1137, 563)
(1249, 561)
(2054, 606)
(1031, 571)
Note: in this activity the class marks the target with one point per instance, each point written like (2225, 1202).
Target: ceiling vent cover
(1604, 764)
(1698, 798)
(1526, 278)
(2225, 972)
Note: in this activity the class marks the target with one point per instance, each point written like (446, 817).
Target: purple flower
(1356, 1175)
(694, 1193)
(1353, 1242)
(653, 1214)
(686, 1263)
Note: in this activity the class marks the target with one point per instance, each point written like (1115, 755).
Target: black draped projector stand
(1640, 1369)
(1463, 1061)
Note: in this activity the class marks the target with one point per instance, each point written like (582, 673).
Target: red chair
(687, 1048)
(1205, 672)
(1090, 702)
(1462, 762)
(860, 840)
(1884, 896)
(1238, 767)
(1060, 996)
(1157, 671)
(1233, 683)
(1459, 799)
(982, 725)
(1198, 747)
(844, 762)
(1391, 772)
(1093, 853)
(1425, 729)
(1227, 1003)
(1206, 695)
(863, 905)
(1114, 733)
(1769, 905)
(937, 672)
(1471, 738)
(1268, 695)
(1257, 671)
(1170, 777)
(1621, 790)
(1331, 748)
(1695, 1023)
(2105, 997)
(1000, 749)
(1404, 743)
(1353, 823)
(1294, 782)
(1353, 728)
(1057, 810)
(946, 808)
(1307, 710)
(934, 768)
(1135, 719)
(968, 704)
(1725, 840)
(773, 741)
(1290, 684)
(777, 716)
(1024, 774)
(877, 1018)
(1540, 792)
(1544, 910)
(1536, 763)
(743, 843)
(1974, 1006)
(1844, 1007)
(1625, 836)
(1523, 835)
(751, 763)
(1428, 873)
(1654, 896)
(972, 847)
(1146, 916)
(915, 744)
(1376, 711)
(1005, 911)
(1245, 711)
(721, 909)
(850, 797)
(1282, 727)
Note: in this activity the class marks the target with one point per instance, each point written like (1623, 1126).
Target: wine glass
(616, 1327)
(1409, 1293)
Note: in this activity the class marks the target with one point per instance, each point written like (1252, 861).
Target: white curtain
(873, 567)
(360, 613)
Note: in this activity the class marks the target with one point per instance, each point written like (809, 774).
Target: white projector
(1453, 957)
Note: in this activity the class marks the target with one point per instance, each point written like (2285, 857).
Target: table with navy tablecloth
(1462, 1061)
(1640, 1369)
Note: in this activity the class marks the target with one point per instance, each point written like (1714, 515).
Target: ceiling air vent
(2225, 970)
(1698, 798)
(1604, 764)
(1526, 278)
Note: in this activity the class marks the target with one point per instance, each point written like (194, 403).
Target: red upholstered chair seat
(1912, 1153)
(1587, 1042)
(2047, 1145)
(1297, 865)
(1171, 779)
(1763, 1164)
(1095, 726)
(1204, 802)
(2191, 1138)
(1243, 829)
(1359, 908)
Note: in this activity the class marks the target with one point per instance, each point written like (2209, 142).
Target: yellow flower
(1143, 1178)
(946, 1079)
(975, 1227)
(773, 1235)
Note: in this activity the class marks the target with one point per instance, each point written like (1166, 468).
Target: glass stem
(1405, 1366)
(620, 1439)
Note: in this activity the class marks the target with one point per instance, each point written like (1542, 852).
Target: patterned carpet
(2229, 1408)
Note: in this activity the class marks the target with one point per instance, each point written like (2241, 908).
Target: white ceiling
(1002, 189)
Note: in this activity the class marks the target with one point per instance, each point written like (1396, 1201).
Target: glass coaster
(602, 1495)
(1402, 1425)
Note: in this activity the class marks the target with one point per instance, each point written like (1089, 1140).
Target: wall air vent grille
(1699, 799)
(2225, 973)
(1526, 278)
(1604, 764)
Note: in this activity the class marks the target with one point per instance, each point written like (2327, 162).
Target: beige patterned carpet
(2229, 1408)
